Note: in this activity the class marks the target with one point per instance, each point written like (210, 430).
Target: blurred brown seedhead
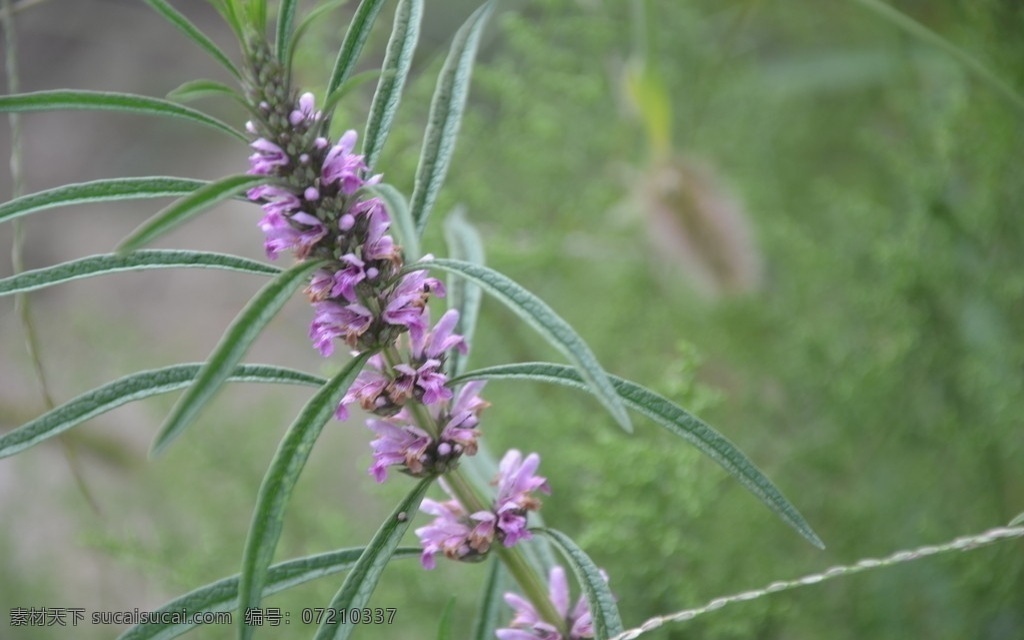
(694, 222)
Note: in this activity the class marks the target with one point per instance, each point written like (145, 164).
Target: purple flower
(516, 483)
(467, 537)
(447, 534)
(465, 411)
(320, 285)
(456, 534)
(435, 343)
(343, 167)
(528, 625)
(516, 480)
(305, 111)
(277, 199)
(283, 233)
(345, 280)
(406, 301)
(378, 245)
(368, 389)
(334, 320)
(268, 157)
(398, 444)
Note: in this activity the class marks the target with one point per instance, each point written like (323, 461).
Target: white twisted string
(963, 543)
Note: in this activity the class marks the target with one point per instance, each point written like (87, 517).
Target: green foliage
(548, 324)
(395, 70)
(223, 594)
(871, 377)
(674, 418)
(98, 191)
(115, 262)
(192, 205)
(193, 33)
(362, 580)
(108, 101)
(129, 389)
(445, 118)
(232, 347)
(278, 484)
(875, 368)
(605, 614)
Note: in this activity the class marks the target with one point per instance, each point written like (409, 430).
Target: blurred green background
(796, 219)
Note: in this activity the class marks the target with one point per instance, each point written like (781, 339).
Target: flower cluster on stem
(460, 535)
(318, 204)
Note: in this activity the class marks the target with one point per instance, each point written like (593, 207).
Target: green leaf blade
(131, 388)
(193, 33)
(197, 89)
(487, 615)
(678, 421)
(278, 483)
(546, 322)
(446, 626)
(222, 595)
(229, 351)
(195, 203)
(446, 115)
(603, 611)
(464, 244)
(109, 101)
(397, 62)
(308, 20)
(285, 24)
(363, 578)
(355, 39)
(116, 263)
(98, 191)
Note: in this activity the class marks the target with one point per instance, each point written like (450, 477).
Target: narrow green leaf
(352, 45)
(136, 386)
(229, 351)
(546, 322)
(398, 209)
(362, 579)
(603, 611)
(180, 212)
(278, 483)
(258, 15)
(311, 18)
(105, 101)
(223, 594)
(674, 418)
(397, 62)
(446, 628)
(116, 262)
(347, 87)
(445, 115)
(488, 614)
(185, 26)
(1018, 521)
(197, 89)
(463, 244)
(285, 23)
(98, 191)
